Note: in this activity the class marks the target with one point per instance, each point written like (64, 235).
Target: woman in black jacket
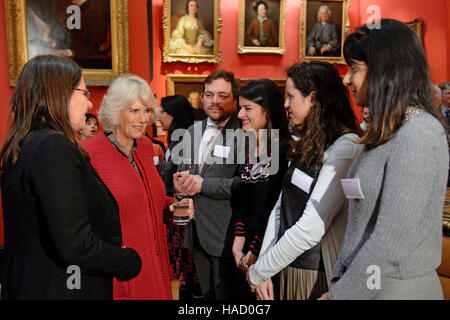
(259, 184)
(62, 228)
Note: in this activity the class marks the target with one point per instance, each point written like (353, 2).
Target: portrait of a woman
(190, 36)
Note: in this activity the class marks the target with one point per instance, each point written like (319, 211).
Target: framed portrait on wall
(324, 25)
(188, 86)
(416, 26)
(192, 31)
(92, 32)
(261, 26)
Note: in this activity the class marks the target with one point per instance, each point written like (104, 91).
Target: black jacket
(57, 213)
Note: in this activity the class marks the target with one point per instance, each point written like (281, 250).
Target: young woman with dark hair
(395, 225)
(177, 113)
(57, 212)
(307, 224)
(257, 189)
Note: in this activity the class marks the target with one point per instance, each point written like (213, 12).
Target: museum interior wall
(436, 33)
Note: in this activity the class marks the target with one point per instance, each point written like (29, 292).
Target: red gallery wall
(436, 34)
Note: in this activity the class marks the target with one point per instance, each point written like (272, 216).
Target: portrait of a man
(261, 25)
(48, 32)
(324, 38)
(262, 31)
(324, 25)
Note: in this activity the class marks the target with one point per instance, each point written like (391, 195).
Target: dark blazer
(213, 214)
(57, 213)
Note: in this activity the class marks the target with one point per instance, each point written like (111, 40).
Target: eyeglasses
(87, 92)
(355, 68)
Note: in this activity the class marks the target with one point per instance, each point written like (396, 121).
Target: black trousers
(219, 277)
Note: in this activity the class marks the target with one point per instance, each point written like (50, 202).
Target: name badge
(302, 180)
(352, 188)
(156, 160)
(221, 151)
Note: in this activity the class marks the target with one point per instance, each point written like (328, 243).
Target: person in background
(366, 119)
(307, 225)
(59, 218)
(257, 190)
(91, 127)
(395, 219)
(123, 158)
(177, 114)
(445, 100)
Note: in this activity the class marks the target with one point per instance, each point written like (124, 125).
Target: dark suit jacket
(57, 213)
(213, 214)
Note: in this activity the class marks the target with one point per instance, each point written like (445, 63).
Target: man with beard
(210, 234)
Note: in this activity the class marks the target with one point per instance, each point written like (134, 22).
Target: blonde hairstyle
(320, 9)
(122, 94)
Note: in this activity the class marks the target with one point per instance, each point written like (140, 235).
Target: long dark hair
(398, 76)
(330, 117)
(181, 111)
(40, 101)
(265, 93)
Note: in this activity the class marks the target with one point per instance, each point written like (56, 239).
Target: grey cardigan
(397, 227)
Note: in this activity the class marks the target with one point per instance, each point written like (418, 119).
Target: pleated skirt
(301, 284)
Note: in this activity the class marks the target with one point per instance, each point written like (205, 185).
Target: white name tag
(302, 180)
(221, 151)
(352, 188)
(156, 160)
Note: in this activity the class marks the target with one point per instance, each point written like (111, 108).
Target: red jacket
(142, 202)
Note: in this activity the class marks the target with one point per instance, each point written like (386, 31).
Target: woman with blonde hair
(123, 157)
(60, 219)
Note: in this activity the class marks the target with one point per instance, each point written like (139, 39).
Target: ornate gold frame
(172, 79)
(216, 57)
(345, 30)
(416, 26)
(18, 50)
(281, 49)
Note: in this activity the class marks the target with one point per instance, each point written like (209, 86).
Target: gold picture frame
(208, 19)
(248, 27)
(185, 85)
(416, 26)
(309, 21)
(18, 49)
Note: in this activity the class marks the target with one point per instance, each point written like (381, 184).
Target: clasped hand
(187, 184)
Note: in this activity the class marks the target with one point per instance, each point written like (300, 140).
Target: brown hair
(330, 117)
(40, 101)
(227, 76)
